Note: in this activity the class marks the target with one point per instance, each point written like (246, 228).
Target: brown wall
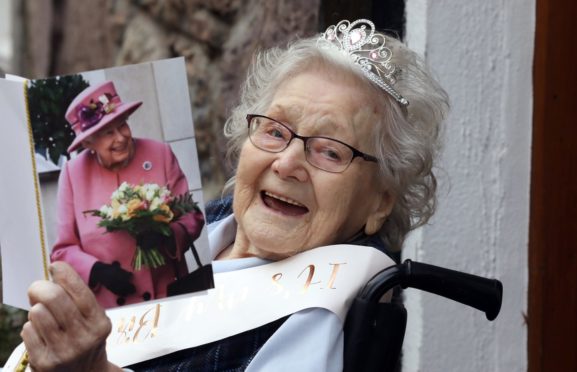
(553, 224)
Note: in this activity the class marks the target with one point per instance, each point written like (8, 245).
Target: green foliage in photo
(48, 100)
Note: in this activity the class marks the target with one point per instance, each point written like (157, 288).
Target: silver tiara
(367, 48)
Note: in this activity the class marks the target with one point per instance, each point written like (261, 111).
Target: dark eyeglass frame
(356, 153)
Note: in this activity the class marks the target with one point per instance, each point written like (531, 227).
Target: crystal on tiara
(367, 48)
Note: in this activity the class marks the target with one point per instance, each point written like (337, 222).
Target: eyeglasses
(324, 153)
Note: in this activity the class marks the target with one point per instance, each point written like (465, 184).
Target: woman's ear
(379, 215)
(87, 144)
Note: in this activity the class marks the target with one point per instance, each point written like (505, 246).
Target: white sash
(327, 277)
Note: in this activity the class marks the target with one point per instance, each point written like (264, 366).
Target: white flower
(150, 195)
(164, 193)
(115, 195)
(105, 210)
(155, 203)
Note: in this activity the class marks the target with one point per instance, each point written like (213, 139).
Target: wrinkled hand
(113, 277)
(66, 328)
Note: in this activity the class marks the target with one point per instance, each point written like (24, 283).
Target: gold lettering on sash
(275, 280)
(334, 272)
(155, 324)
(195, 307)
(280, 288)
(144, 322)
(229, 300)
(309, 280)
(125, 328)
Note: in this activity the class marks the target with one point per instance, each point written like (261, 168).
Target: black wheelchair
(374, 331)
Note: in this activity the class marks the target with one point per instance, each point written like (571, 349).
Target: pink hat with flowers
(95, 108)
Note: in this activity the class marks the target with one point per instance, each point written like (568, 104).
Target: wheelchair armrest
(365, 321)
(481, 293)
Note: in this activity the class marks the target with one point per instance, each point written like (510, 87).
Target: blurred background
(507, 174)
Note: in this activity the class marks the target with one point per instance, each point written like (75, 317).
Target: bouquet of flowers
(143, 209)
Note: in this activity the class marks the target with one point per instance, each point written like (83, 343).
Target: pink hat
(94, 108)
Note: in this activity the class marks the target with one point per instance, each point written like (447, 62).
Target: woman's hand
(66, 328)
(113, 277)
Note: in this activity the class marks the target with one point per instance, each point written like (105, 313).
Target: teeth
(289, 201)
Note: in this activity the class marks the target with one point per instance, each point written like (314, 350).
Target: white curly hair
(406, 138)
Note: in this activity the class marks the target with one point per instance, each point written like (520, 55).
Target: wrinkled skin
(66, 328)
(336, 206)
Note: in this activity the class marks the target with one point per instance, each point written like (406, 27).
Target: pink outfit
(84, 185)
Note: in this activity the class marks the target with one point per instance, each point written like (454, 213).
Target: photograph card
(100, 170)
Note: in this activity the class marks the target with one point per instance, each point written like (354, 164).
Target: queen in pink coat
(112, 156)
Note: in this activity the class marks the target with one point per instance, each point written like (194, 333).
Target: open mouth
(284, 205)
(119, 149)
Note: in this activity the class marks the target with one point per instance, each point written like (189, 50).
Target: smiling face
(283, 204)
(112, 144)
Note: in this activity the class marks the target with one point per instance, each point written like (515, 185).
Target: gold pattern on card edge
(36, 183)
(23, 362)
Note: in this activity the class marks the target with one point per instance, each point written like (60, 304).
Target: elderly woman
(104, 260)
(335, 138)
